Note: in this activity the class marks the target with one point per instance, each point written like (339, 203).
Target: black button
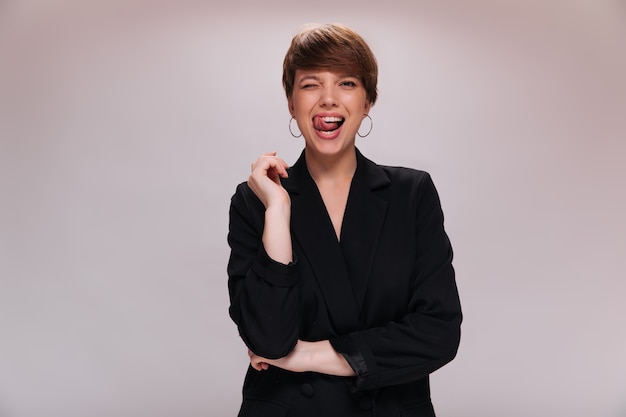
(365, 403)
(307, 390)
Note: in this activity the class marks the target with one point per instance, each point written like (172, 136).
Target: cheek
(301, 103)
(357, 102)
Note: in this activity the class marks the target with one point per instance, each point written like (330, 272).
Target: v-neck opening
(345, 209)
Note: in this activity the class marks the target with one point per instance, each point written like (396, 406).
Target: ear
(368, 107)
(292, 110)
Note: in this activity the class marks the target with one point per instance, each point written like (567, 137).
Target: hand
(265, 180)
(294, 362)
(307, 356)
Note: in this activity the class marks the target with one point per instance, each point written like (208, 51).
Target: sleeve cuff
(358, 357)
(274, 272)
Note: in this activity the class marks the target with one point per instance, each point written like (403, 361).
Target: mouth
(327, 125)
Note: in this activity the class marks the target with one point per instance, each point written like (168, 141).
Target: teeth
(332, 119)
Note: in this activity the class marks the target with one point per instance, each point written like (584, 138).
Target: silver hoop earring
(291, 131)
(370, 130)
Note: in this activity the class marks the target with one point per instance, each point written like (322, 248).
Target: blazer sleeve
(428, 336)
(263, 292)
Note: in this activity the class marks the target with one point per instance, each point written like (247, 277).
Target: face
(329, 108)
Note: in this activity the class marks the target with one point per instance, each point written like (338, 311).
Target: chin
(330, 146)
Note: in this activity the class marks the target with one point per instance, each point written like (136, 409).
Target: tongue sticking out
(320, 124)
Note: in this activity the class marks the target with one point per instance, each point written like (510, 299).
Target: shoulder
(399, 173)
(407, 178)
(244, 198)
(384, 176)
(412, 186)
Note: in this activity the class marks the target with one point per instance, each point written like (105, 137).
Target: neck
(331, 168)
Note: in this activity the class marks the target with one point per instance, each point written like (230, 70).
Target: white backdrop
(125, 126)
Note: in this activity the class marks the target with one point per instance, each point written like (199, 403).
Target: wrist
(325, 359)
(278, 208)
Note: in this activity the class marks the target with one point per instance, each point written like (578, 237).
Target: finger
(283, 169)
(258, 364)
(280, 166)
(271, 166)
(254, 362)
(266, 160)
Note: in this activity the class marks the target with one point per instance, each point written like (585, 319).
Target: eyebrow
(316, 78)
(308, 77)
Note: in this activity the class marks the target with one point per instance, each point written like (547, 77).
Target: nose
(329, 97)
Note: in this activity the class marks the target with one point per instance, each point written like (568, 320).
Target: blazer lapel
(312, 230)
(363, 222)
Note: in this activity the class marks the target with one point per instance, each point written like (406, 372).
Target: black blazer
(385, 295)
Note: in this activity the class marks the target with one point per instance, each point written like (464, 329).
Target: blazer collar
(367, 172)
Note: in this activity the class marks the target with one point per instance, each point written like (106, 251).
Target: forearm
(324, 359)
(308, 357)
(264, 295)
(277, 233)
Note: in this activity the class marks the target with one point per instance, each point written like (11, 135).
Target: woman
(340, 274)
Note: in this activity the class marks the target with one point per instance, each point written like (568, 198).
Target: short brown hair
(332, 47)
